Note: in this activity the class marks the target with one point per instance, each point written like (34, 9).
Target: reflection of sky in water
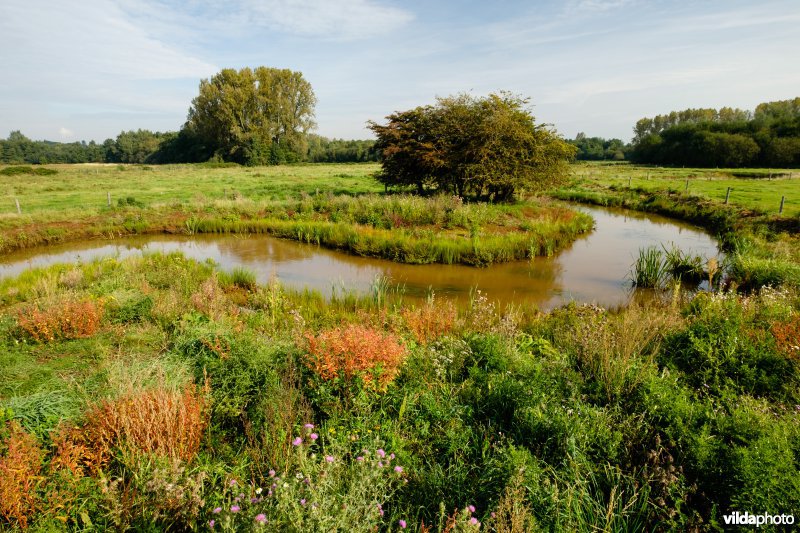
(594, 268)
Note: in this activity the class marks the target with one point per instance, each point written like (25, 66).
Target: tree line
(148, 147)
(769, 136)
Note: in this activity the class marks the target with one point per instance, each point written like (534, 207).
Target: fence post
(780, 211)
(687, 185)
(108, 198)
(629, 182)
(19, 210)
(727, 195)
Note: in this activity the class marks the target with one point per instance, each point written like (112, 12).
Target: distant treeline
(599, 149)
(143, 146)
(730, 138)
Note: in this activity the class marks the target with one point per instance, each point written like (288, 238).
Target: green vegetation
(157, 393)
(290, 406)
(486, 148)
(402, 228)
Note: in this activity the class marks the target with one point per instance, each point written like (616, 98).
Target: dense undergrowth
(192, 399)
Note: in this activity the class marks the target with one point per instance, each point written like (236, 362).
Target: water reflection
(593, 269)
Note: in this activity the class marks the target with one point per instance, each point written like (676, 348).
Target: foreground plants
(201, 400)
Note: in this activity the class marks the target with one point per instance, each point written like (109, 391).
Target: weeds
(20, 467)
(63, 318)
(355, 353)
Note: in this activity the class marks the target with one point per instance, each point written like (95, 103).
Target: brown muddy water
(594, 269)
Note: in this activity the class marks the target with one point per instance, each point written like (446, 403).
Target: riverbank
(763, 249)
(432, 414)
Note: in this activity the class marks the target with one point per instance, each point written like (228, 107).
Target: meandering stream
(594, 269)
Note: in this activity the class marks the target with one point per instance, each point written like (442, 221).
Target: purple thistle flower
(309, 426)
(474, 521)
(235, 508)
(471, 508)
(329, 458)
(217, 510)
(359, 459)
(233, 483)
(297, 441)
(398, 469)
(211, 523)
(381, 453)
(303, 501)
(261, 518)
(271, 473)
(313, 436)
(380, 464)
(402, 524)
(254, 500)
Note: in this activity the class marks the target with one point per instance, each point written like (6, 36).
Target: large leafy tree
(487, 147)
(254, 116)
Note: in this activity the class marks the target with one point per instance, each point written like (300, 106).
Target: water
(594, 269)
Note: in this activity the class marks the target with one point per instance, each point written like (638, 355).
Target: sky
(88, 70)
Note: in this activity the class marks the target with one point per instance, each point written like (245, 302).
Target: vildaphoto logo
(746, 519)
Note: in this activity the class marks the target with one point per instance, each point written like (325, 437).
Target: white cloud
(65, 133)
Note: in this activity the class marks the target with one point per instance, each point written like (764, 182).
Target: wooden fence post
(727, 195)
(19, 209)
(780, 211)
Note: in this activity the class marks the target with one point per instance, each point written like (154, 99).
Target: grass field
(157, 394)
(756, 190)
(87, 186)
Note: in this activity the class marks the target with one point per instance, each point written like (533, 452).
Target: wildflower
(259, 490)
(359, 459)
(309, 426)
(380, 464)
(471, 508)
(217, 510)
(211, 523)
(391, 456)
(271, 473)
(329, 458)
(402, 524)
(303, 501)
(313, 436)
(233, 483)
(253, 500)
(474, 521)
(493, 514)
(297, 441)
(381, 453)
(398, 469)
(235, 508)
(261, 518)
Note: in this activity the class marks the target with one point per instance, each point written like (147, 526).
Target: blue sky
(90, 69)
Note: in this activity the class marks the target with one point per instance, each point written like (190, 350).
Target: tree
(254, 116)
(481, 147)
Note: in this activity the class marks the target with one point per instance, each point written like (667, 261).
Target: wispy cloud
(329, 19)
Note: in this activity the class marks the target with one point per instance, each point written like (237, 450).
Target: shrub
(355, 352)
(431, 321)
(65, 318)
(20, 465)
(159, 421)
(787, 337)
